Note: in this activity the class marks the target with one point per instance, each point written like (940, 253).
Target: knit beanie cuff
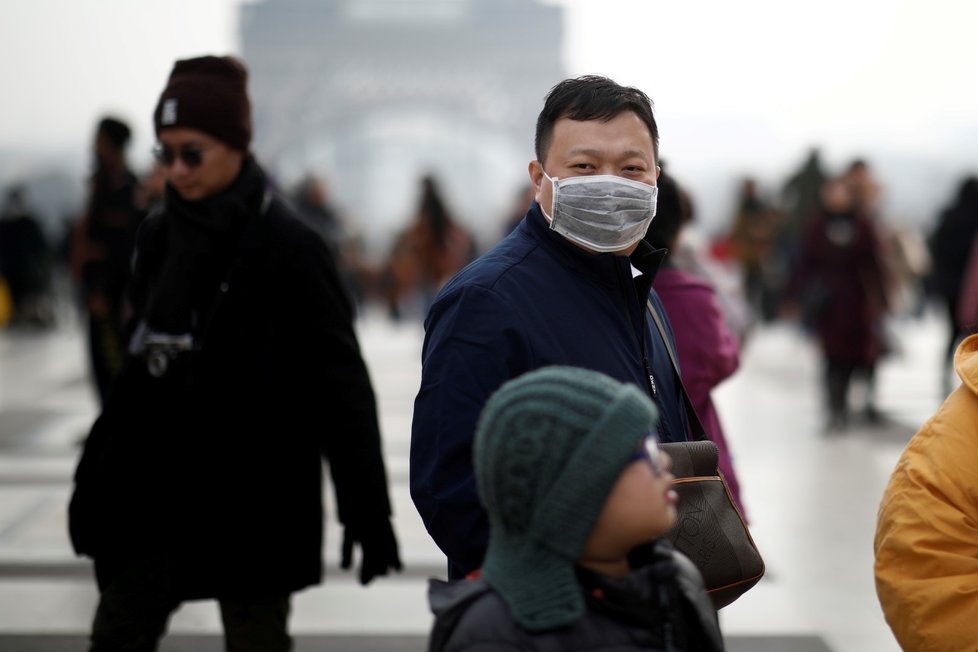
(209, 94)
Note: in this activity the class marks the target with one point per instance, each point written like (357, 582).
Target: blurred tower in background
(376, 93)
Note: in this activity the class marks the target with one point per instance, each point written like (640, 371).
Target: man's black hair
(669, 218)
(592, 97)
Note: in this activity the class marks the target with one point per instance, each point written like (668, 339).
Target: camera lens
(156, 362)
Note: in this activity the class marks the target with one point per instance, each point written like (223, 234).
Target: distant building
(376, 93)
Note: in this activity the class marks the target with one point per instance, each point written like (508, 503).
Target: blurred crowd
(817, 249)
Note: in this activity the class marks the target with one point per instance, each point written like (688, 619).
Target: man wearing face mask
(568, 286)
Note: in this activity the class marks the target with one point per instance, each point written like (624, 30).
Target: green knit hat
(549, 447)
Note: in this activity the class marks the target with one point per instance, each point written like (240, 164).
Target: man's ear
(658, 171)
(536, 178)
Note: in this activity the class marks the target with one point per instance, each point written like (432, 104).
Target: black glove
(378, 547)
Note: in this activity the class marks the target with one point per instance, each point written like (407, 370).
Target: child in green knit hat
(569, 473)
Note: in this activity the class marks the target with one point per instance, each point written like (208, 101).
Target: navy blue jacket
(534, 300)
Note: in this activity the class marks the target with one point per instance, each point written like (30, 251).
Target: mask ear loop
(553, 198)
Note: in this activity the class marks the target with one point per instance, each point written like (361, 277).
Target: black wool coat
(217, 465)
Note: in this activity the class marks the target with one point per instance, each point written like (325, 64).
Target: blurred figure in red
(865, 190)
(711, 260)
(840, 287)
(426, 254)
(866, 193)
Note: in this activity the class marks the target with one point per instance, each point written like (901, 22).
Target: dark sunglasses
(191, 155)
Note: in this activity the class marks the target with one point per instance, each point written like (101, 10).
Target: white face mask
(603, 213)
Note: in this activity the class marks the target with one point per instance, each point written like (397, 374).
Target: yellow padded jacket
(926, 541)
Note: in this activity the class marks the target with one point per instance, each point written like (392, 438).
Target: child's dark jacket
(661, 606)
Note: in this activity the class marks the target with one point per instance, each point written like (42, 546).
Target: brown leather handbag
(709, 528)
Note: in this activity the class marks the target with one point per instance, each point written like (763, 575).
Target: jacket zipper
(628, 288)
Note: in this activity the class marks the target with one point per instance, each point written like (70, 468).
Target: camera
(162, 348)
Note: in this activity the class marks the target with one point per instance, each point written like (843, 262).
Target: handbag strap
(694, 421)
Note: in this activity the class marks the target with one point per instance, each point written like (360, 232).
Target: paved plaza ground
(811, 499)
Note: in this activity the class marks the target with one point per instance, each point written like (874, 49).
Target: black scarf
(199, 249)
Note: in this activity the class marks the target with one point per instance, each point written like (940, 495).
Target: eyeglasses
(191, 155)
(650, 452)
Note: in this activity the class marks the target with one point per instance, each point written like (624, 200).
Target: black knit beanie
(210, 94)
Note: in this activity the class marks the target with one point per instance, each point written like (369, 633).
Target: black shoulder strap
(694, 421)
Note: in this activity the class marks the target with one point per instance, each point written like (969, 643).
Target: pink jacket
(708, 351)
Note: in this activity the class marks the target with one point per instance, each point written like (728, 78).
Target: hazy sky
(739, 87)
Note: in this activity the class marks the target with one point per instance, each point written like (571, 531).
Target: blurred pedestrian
(866, 193)
(950, 245)
(712, 261)
(755, 228)
(909, 270)
(314, 208)
(798, 202)
(839, 286)
(707, 349)
(568, 469)
(102, 251)
(568, 286)
(926, 544)
(26, 261)
(427, 253)
(202, 477)
(800, 198)
(967, 316)
(865, 189)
